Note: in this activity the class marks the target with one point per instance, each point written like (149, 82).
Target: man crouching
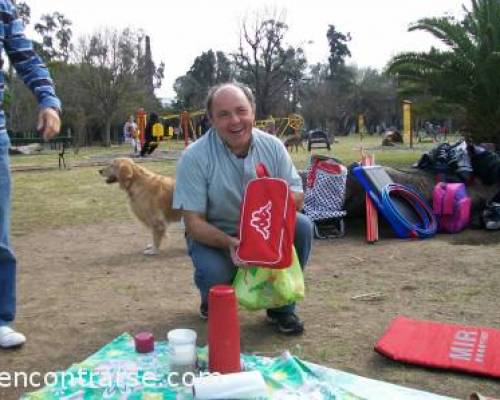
(211, 178)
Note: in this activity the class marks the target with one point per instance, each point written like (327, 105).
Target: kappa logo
(261, 220)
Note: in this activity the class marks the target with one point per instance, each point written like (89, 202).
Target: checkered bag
(325, 196)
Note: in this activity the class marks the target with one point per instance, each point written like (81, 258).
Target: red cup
(144, 342)
(223, 330)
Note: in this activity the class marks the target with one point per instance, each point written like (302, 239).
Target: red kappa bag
(267, 222)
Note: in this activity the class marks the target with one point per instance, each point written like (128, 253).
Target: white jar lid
(181, 336)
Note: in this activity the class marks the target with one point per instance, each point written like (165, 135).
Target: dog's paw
(149, 246)
(150, 251)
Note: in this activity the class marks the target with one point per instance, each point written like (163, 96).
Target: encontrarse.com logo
(96, 379)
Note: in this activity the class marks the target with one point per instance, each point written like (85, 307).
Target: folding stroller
(325, 195)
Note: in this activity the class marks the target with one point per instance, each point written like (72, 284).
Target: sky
(181, 30)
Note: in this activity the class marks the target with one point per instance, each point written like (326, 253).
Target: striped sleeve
(26, 62)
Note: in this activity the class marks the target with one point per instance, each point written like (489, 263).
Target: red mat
(471, 349)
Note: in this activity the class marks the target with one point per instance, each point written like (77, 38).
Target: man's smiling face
(232, 116)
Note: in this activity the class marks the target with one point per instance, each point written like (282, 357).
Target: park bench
(25, 138)
(318, 138)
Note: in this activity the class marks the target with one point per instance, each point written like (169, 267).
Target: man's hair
(214, 89)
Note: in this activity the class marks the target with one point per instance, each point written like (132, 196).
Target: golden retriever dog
(150, 196)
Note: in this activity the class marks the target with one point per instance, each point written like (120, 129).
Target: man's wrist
(231, 242)
(57, 110)
(51, 107)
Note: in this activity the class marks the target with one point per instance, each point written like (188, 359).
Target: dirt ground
(81, 287)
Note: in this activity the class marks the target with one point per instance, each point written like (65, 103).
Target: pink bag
(451, 206)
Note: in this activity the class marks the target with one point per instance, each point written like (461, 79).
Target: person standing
(211, 177)
(35, 75)
(150, 143)
(130, 134)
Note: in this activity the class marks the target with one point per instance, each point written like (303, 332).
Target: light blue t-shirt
(211, 180)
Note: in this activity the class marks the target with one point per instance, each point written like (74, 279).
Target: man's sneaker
(287, 323)
(10, 338)
(491, 216)
(204, 311)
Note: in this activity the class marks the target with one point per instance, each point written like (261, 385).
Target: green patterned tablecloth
(116, 371)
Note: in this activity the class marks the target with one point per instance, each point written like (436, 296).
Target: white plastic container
(182, 351)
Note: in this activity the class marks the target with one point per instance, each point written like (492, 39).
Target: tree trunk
(79, 138)
(106, 140)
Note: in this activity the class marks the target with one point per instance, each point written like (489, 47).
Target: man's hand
(48, 123)
(234, 243)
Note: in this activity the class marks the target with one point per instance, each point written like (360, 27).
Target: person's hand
(234, 243)
(48, 123)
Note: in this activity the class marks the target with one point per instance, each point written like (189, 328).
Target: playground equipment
(279, 126)
(187, 124)
(140, 118)
(361, 126)
(190, 123)
(407, 136)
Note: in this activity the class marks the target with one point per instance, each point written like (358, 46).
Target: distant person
(150, 143)
(205, 124)
(35, 75)
(127, 133)
(211, 178)
(130, 134)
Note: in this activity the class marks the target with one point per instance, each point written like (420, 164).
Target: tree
(77, 106)
(24, 12)
(150, 75)
(267, 65)
(374, 95)
(316, 100)
(109, 66)
(335, 104)
(208, 69)
(465, 74)
(224, 68)
(56, 33)
(338, 49)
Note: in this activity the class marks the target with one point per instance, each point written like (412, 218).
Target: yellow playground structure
(280, 126)
(190, 124)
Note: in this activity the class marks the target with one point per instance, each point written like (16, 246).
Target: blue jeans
(213, 266)
(7, 258)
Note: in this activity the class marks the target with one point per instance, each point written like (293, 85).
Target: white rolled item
(241, 385)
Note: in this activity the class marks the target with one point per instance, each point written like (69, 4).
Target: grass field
(53, 198)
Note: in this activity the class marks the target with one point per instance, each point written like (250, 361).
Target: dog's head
(120, 170)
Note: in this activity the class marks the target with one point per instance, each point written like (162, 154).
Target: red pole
(185, 127)
(371, 211)
(140, 116)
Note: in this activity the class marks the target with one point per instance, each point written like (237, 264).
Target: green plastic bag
(261, 288)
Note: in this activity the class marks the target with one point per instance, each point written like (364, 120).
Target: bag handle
(261, 170)
(311, 176)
